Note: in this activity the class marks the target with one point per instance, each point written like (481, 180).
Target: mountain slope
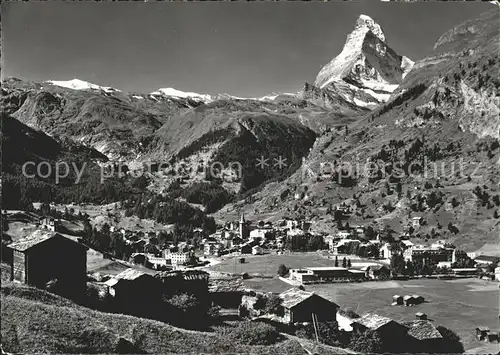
(40, 168)
(443, 117)
(233, 132)
(52, 324)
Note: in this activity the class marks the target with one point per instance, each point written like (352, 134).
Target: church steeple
(243, 227)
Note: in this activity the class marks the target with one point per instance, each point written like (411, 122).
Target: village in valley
(283, 273)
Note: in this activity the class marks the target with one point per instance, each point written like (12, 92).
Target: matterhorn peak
(367, 70)
(366, 22)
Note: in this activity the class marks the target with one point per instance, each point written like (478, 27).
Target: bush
(282, 270)
(366, 342)
(260, 302)
(274, 305)
(187, 310)
(252, 333)
(328, 333)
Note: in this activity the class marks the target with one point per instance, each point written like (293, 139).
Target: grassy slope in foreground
(37, 321)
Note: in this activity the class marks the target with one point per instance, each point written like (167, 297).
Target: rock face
(471, 35)
(367, 70)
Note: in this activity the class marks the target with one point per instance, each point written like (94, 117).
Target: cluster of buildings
(171, 258)
(244, 238)
(300, 306)
(238, 237)
(409, 300)
(345, 241)
(45, 256)
(485, 334)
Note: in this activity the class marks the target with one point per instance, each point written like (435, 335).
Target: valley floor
(460, 305)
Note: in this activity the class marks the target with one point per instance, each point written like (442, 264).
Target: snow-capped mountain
(367, 70)
(77, 84)
(206, 98)
(182, 94)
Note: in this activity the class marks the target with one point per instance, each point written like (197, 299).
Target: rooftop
(325, 268)
(377, 267)
(422, 329)
(128, 274)
(487, 258)
(35, 238)
(482, 328)
(373, 321)
(226, 285)
(293, 297)
(353, 271)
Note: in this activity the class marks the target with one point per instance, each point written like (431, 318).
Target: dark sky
(245, 49)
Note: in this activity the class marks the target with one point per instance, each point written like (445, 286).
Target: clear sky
(240, 48)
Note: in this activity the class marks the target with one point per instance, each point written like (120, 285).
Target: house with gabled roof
(44, 256)
(299, 306)
(424, 336)
(393, 334)
(134, 292)
(384, 326)
(486, 259)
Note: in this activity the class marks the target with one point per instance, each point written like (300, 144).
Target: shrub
(282, 270)
(328, 333)
(252, 333)
(274, 305)
(187, 310)
(260, 302)
(366, 342)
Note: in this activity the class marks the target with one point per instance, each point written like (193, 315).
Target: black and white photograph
(250, 177)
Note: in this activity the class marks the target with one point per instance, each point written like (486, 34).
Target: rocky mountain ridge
(365, 72)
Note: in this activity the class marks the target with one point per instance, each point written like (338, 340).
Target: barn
(45, 256)
(135, 292)
(299, 306)
(226, 292)
(385, 327)
(424, 337)
(392, 333)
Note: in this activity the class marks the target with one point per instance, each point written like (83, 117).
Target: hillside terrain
(444, 117)
(37, 321)
(157, 128)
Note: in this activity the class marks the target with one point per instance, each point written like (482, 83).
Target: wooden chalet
(45, 256)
